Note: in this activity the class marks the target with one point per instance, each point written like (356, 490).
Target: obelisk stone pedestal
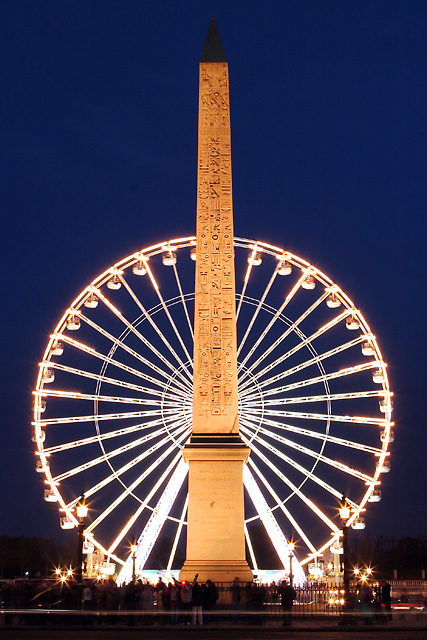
(215, 536)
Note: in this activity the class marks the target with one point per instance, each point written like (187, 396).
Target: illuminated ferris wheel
(113, 403)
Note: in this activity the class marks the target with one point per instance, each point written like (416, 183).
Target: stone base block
(217, 571)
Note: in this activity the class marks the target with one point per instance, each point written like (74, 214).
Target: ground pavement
(413, 627)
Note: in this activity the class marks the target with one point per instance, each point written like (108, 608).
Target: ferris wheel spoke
(245, 284)
(99, 417)
(173, 325)
(324, 437)
(324, 398)
(250, 547)
(120, 343)
(115, 475)
(304, 343)
(106, 436)
(180, 436)
(177, 396)
(183, 301)
(247, 397)
(305, 472)
(181, 523)
(101, 548)
(138, 334)
(308, 474)
(321, 416)
(270, 523)
(280, 504)
(308, 363)
(159, 513)
(114, 453)
(108, 360)
(154, 324)
(75, 395)
(308, 452)
(258, 309)
(147, 472)
(276, 343)
(334, 536)
(288, 298)
(290, 484)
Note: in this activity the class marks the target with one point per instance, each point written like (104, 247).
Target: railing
(266, 598)
(243, 604)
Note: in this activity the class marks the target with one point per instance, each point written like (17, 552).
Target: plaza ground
(297, 633)
(411, 627)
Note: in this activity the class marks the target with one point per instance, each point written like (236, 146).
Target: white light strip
(134, 484)
(98, 417)
(166, 310)
(331, 525)
(270, 523)
(288, 298)
(177, 536)
(325, 437)
(151, 321)
(251, 550)
(245, 284)
(258, 309)
(139, 335)
(280, 339)
(115, 475)
(113, 362)
(106, 436)
(155, 522)
(324, 398)
(184, 304)
(179, 394)
(309, 452)
(319, 416)
(306, 341)
(310, 381)
(281, 506)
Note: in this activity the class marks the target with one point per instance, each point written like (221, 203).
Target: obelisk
(216, 453)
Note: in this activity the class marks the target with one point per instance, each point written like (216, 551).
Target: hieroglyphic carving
(215, 359)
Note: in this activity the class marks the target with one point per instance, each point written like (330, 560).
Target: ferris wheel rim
(176, 244)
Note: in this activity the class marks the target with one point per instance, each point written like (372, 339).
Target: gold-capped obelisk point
(216, 454)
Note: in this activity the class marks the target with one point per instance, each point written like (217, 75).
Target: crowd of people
(178, 603)
(172, 602)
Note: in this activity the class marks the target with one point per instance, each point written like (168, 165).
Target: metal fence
(309, 601)
(251, 604)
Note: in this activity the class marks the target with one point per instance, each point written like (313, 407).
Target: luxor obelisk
(216, 453)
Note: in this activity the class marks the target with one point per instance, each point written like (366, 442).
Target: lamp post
(344, 512)
(81, 511)
(291, 547)
(134, 549)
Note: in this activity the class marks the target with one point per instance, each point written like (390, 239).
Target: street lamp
(344, 512)
(134, 549)
(81, 511)
(291, 547)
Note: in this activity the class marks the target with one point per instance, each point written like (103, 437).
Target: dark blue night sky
(98, 159)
